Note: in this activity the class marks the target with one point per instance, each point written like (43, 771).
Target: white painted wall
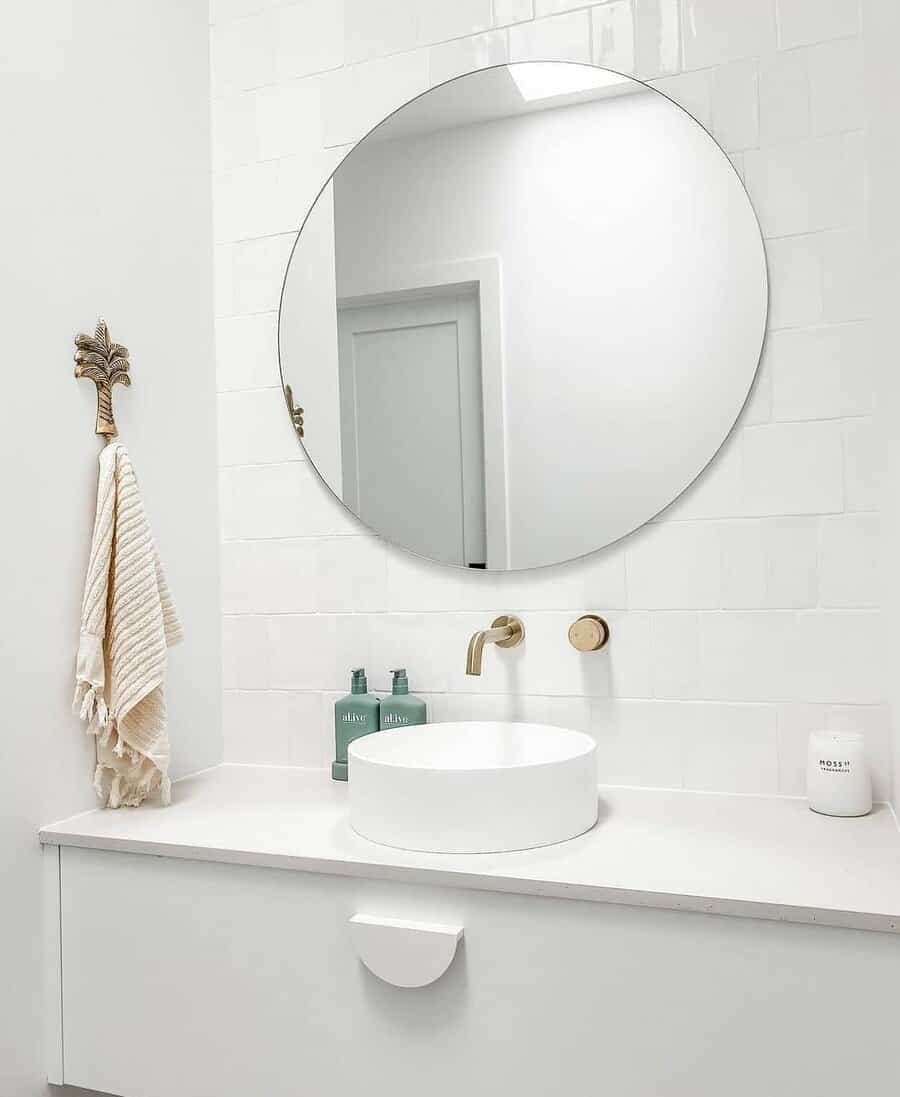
(623, 370)
(105, 124)
(750, 612)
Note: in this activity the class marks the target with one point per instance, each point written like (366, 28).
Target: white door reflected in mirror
(523, 315)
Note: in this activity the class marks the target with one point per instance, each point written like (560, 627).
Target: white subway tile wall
(746, 615)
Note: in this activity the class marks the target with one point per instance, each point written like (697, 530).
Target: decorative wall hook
(295, 413)
(105, 363)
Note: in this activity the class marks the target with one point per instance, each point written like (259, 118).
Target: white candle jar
(837, 774)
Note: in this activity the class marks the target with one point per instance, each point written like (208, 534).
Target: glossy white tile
(849, 549)
(417, 584)
(716, 32)
(310, 37)
(730, 748)
(300, 179)
(638, 742)
(437, 21)
(806, 186)
(758, 408)
(784, 109)
(254, 428)
(269, 576)
(770, 564)
(286, 500)
(258, 272)
(735, 105)
(822, 372)
(512, 11)
(245, 203)
(560, 38)
(837, 86)
(302, 652)
(675, 654)
(420, 643)
(479, 51)
(791, 561)
(847, 276)
(308, 720)
(350, 575)
(375, 28)
(223, 280)
(289, 118)
(242, 54)
(657, 38)
(245, 662)
(629, 657)
(596, 581)
(247, 352)
(222, 11)
(254, 727)
(802, 22)
(612, 36)
(792, 469)
(795, 281)
(691, 90)
(841, 657)
(674, 565)
(726, 641)
(356, 98)
(549, 665)
(717, 491)
(862, 474)
(234, 132)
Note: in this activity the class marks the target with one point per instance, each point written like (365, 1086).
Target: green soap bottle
(401, 709)
(354, 715)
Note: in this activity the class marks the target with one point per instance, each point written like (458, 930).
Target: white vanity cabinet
(176, 977)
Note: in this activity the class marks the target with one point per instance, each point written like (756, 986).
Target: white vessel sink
(473, 787)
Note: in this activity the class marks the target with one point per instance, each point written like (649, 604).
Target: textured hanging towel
(128, 621)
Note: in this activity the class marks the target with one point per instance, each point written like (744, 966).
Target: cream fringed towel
(128, 621)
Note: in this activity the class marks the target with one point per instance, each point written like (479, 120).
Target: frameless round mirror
(523, 315)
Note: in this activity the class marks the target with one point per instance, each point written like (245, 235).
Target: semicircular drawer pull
(404, 954)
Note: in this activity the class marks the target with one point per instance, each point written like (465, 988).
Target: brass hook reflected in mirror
(295, 413)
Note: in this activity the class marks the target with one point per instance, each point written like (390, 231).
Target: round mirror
(522, 315)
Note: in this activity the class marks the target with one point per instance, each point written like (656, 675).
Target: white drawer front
(192, 979)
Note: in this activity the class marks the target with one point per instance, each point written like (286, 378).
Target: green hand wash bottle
(354, 715)
(401, 709)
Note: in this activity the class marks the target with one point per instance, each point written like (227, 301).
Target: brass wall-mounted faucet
(506, 631)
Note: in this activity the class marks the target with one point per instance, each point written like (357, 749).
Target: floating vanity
(226, 946)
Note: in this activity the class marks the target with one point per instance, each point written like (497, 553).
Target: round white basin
(472, 787)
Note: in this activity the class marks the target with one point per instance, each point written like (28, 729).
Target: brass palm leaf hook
(295, 412)
(106, 364)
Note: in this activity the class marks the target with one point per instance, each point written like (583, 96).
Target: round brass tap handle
(589, 633)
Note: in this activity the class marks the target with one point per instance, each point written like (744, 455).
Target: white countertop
(758, 856)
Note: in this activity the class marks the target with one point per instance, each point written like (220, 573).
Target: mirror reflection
(523, 315)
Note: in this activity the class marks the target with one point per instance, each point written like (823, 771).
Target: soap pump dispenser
(401, 709)
(355, 715)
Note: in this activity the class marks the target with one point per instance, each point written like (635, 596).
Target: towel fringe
(88, 700)
(116, 790)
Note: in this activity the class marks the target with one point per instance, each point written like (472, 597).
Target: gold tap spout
(505, 631)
